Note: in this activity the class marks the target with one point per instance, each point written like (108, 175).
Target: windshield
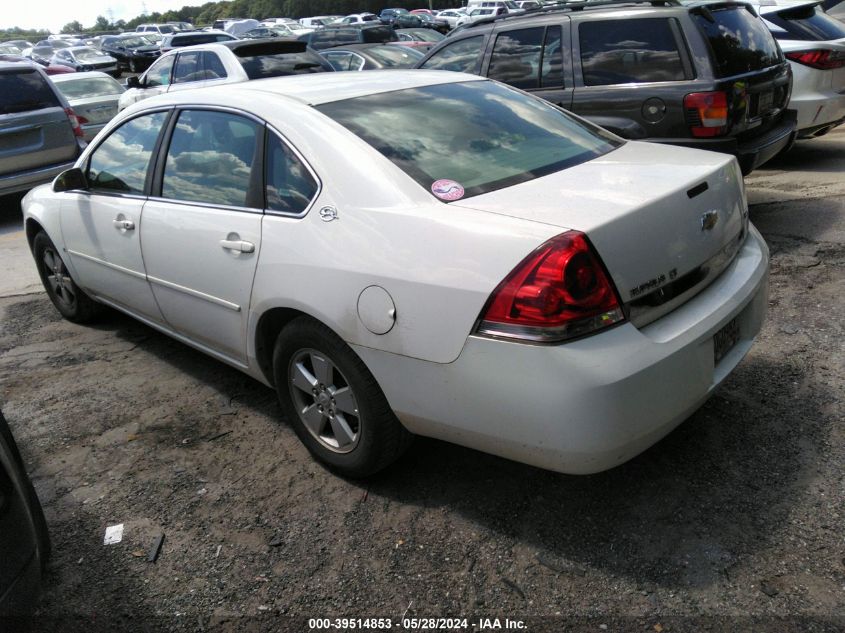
(134, 42)
(89, 87)
(442, 137)
(395, 56)
(87, 54)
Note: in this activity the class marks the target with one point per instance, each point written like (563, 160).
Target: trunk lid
(664, 220)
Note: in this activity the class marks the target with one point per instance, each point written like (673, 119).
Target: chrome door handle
(126, 225)
(238, 245)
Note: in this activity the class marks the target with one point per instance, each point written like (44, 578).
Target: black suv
(707, 75)
(329, 36)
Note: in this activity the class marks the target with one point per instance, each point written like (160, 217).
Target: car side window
(210, 158)
(159, 73)
(344, 60)
(460, 56)
(212, 66)
(551, 74)
(629, 51)
(187, 68)
(120, 163)
(290, 187)
(516, 58)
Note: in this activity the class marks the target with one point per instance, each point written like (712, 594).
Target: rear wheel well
(266, 332)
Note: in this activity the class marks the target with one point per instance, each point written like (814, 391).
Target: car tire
(70, 300)
(356, 433)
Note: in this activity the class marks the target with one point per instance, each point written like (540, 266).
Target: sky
(54, 14)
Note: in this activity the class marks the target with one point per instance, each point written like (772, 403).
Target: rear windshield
(261, 66)
(442, 136)
(395, 56)
(89, 87)
(379, 34)
(739, 41)
(24, 90)
(805, 23)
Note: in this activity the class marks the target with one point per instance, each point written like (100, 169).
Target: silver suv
(40, 135)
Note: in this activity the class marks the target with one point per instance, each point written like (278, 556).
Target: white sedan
(392, 264)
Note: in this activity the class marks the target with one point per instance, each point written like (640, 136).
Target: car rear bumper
(818, 113)
(751, 153)
(23, 181)
(591, 404)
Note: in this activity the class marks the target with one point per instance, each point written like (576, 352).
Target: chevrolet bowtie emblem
(709, 220)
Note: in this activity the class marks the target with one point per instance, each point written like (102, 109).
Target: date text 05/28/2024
(417, 624)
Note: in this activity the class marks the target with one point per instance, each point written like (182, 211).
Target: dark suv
(704, 75)
(40, 136)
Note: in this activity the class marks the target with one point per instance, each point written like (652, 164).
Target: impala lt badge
(709, 220)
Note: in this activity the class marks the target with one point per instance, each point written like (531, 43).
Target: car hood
(144, 49)
(645, 207)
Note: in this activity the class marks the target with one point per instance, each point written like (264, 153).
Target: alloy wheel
(58, 278)
(324, 400)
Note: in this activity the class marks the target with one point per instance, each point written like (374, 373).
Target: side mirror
(133, 82)
(69, 180)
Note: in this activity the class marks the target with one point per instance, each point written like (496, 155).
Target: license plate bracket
(725, 339)
(766, 99)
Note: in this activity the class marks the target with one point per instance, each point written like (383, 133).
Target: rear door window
(739, 41)
(528, 58)
(461, 56)
(628, 51)
(25, 90)
(210, 158)
(804, 23)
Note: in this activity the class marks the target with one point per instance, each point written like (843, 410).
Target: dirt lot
(732, 523)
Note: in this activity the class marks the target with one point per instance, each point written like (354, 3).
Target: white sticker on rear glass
(447, 190)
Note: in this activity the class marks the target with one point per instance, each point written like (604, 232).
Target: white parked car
(93, 97)
(450, 16)
(207, 65)
(368, 245)
(359, 18)
(814, 43)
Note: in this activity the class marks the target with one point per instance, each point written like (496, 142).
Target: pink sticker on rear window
(447, 190)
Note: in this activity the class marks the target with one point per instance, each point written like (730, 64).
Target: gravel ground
(734, 522)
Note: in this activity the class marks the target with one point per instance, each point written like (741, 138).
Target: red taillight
(75, 122)
(708, 112)
(558, 292)
(819, 59)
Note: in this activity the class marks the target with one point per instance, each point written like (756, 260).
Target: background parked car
(84, 58)
(450, 16)
(40, 54)
(39, 132)
(161, 29)
(814, 44)
(359, 18)
(422, 39)
(371, 56)
(336, 35)
(24, 539)
(707, 76)
(50, 69)
(280, 30)
(134, 52)
(178, 40)
(93, 97)
(207, 65)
